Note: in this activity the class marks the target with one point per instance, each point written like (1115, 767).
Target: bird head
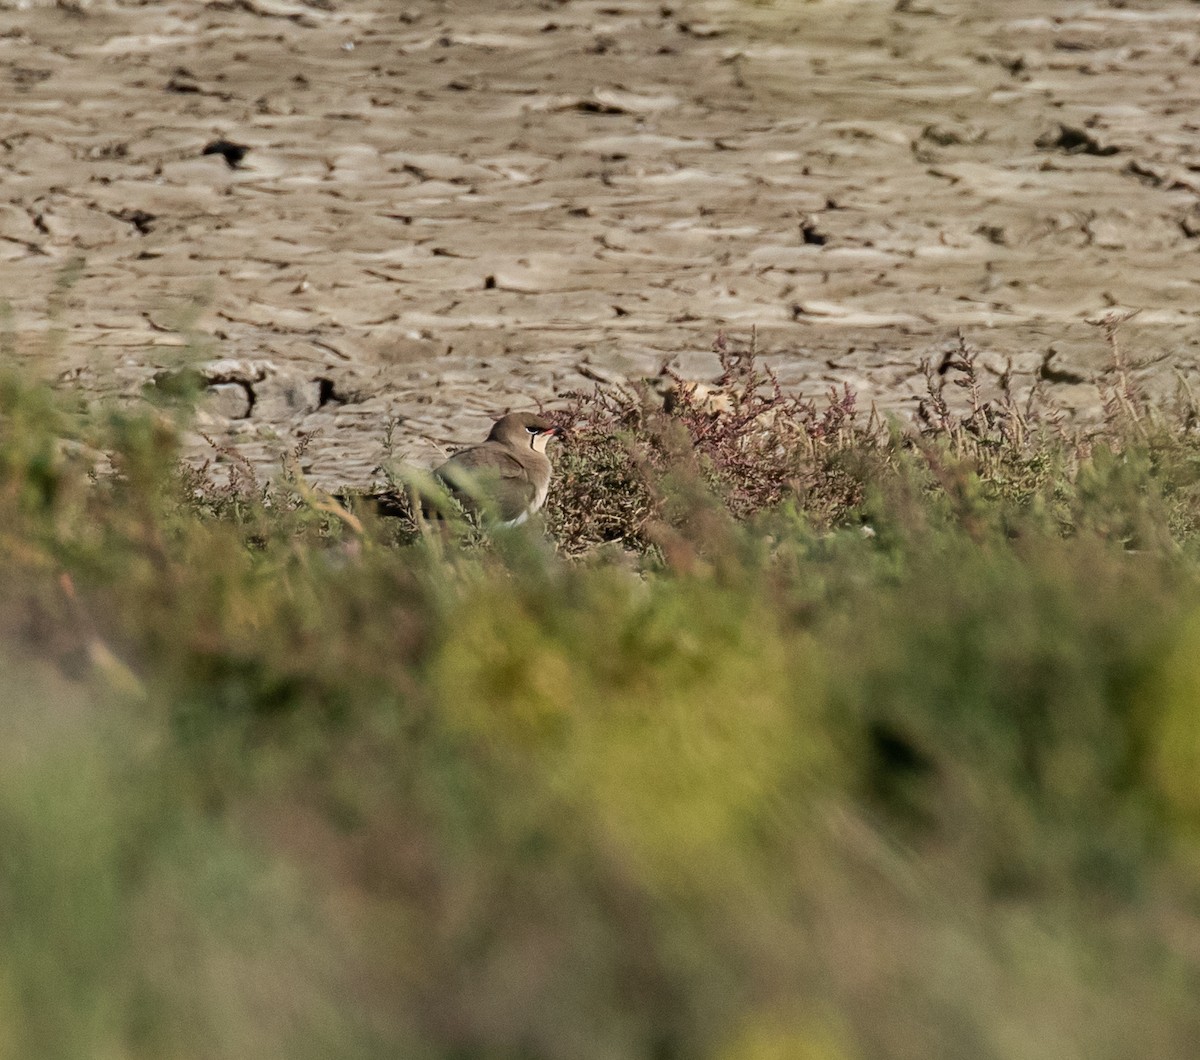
(525, 429)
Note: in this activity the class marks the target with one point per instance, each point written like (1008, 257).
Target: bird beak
(555, 432)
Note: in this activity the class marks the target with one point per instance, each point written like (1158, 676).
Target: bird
(508, 474)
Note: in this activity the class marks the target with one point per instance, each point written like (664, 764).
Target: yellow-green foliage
(767, 1038)
(675, 719)
(1171, 722)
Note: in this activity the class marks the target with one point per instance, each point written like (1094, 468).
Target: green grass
(796, 736)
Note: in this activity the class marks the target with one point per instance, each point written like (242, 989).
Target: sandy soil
(448, 208)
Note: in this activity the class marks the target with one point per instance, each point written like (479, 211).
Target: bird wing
(493, 472)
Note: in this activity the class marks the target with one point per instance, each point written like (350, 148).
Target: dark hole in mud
(812, 236)
(1075, 141)
(233, 153)
(140, 219)
(179, 84)
(328, 393)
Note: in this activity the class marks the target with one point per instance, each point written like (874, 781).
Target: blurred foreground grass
(813, 739)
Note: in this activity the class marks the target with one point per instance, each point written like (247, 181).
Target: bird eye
(534, 430)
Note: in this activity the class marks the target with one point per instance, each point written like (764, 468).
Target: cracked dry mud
(373, 210)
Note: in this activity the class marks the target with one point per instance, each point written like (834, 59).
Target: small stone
(231, 401)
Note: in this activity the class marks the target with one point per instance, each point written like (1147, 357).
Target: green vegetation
(794, 736)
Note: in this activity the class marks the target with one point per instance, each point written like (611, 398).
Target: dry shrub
(641, 458)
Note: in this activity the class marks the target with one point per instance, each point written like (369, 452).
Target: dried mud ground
(428, 212)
